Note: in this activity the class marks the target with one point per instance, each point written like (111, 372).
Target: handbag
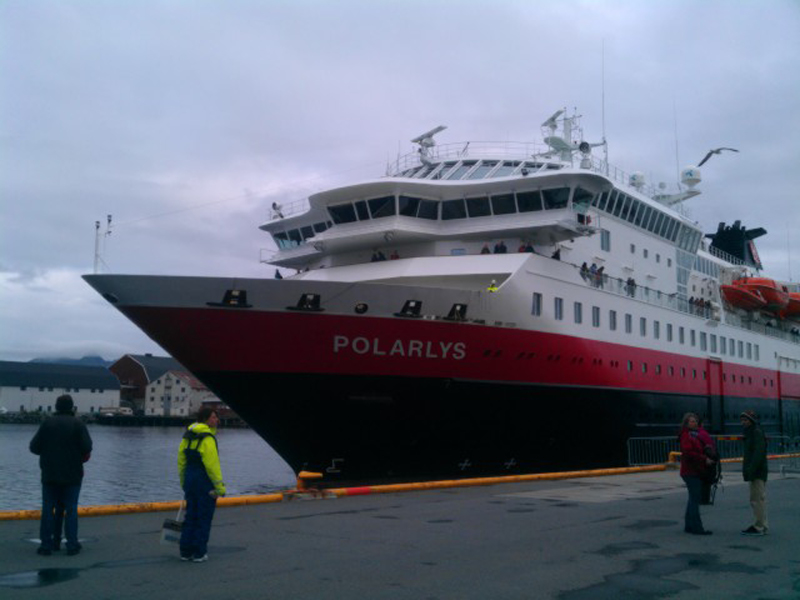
(171, 529)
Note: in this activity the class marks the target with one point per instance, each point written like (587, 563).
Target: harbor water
(138, 464)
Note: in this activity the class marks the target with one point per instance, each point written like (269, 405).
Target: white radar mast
(426, 142)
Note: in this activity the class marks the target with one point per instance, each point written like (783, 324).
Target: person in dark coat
(693, 467)
(63, 444)
(754, 470)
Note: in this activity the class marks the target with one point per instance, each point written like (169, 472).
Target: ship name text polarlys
(407, 348)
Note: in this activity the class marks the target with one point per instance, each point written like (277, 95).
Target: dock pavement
(613, 537)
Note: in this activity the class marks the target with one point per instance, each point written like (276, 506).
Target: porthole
(361, 308)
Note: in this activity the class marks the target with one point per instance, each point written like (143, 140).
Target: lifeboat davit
(752, 293)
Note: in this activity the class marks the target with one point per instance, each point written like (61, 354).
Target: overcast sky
(186, 119)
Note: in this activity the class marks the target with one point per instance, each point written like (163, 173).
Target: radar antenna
(426, 142)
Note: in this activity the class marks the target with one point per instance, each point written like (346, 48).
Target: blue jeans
(200, 508)
(692, 522)
(55, 496)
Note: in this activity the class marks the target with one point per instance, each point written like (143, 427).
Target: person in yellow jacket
(201, 480)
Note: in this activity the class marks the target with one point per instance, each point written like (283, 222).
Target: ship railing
(730, 258)
(631, 289)
(656, 450)
(777, 330)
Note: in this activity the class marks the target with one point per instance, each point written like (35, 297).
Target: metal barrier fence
(655, 450)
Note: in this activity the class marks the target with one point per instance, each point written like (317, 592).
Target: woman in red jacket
(693, 467)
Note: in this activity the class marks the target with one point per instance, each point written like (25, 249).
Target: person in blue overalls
(201, 480)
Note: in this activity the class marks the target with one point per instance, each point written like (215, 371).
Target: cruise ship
(483, 309)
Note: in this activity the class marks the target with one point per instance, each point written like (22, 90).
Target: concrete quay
(592, 538)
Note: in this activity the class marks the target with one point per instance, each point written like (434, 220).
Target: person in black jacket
(63, 445)
(754, 470)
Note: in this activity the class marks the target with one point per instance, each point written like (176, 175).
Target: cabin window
(343, 213)
(755, 348)
(669, 332)
(722, 344)
(536, 308)
(478, 207)
(483, 169)
(692, 337)
(559, 309)
(529, 201)
(428, 209)
(605, 240)
(503, 204)
(595, 316)
(703, 341)
(408, 206)
(382, 207)
(453, 209)
(628, 323)
(681, 336)
(612, 320)
(732, 347)
(749, 351)
(460, 171)
(555, 199)
(642, 326)
(578, 312)
(713, 342)
(656, 330)
(741, 349)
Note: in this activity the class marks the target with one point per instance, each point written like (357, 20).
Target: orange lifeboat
(775, 297)
(792, 310)
(742, 297)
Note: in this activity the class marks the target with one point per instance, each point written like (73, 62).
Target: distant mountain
(86, 361)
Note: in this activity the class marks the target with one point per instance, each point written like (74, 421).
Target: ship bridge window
(294, 237)
(428, 209)
(320, 227)
(506, 169)
(582, 199)
(382, 207)
(612, 201)
(307, 232)
(643, 216)
(621, 198)
(626, 208)
(483, 169)
(361, 210)
(529, 201)
(408, 206)
(343, 213)
(503, 204)
(602, 200)
(461, 170)
(453, 209)
(478, 207)
(556, 198)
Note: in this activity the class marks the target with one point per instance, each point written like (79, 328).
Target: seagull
(717, 151)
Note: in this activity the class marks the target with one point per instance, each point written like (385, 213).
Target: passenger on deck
(601, 276)
(485, 249)
(500, 247)
(584, 271)
(529, 248)
(394, 255)
(276, 210)
(492, 286)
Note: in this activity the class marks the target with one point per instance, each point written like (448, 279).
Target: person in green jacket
(754, 470)
(201, 480)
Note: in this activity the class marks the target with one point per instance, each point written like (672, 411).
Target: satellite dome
(690, 176)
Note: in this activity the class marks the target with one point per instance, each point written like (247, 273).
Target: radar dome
(637, 180)
(691, 176)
